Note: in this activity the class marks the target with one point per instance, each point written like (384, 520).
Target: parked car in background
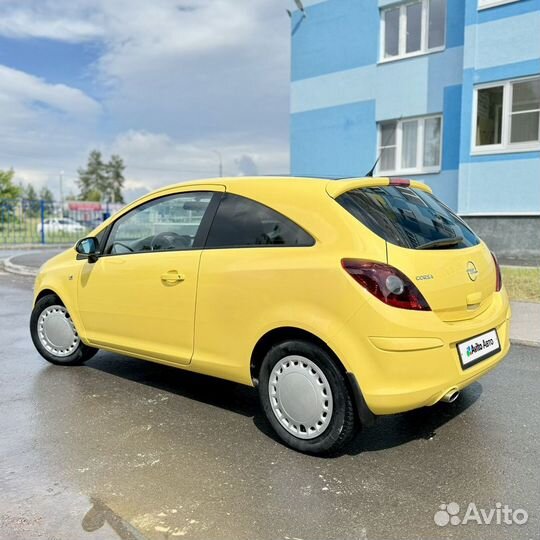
(60, 225)
(338, 300)
(92, 223)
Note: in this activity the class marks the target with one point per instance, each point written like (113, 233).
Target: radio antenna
(387, 139)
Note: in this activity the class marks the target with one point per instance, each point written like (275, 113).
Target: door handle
(172, 277)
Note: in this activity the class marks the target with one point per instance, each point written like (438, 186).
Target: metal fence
(25, 221)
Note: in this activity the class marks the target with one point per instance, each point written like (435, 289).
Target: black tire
(80, 354)
(342, 425)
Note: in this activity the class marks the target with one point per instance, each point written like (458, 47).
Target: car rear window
(408, 217)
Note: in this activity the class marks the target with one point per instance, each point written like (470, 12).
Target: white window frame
(486, 4)
(403, 32)
(505, 145)
(420, 168)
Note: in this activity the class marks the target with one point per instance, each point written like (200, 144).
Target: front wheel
(306, 398)
(54, 334)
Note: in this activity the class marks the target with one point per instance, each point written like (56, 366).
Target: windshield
(408, 218)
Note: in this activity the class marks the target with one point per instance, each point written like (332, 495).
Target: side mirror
(88, 248)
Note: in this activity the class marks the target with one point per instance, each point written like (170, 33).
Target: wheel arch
(277, 335)
(280, 334)
(47, 292)
(67, 301)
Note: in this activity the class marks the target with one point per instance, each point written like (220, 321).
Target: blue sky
(162, 83)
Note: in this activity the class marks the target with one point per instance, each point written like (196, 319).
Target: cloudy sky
(163, 83)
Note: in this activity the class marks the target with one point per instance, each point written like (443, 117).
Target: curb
(18, 269)
(32, 247)
(526, 342)
(521, 266)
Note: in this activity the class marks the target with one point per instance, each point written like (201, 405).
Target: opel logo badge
(472, 271)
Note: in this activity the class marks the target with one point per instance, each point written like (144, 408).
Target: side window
(242, 222)
(167, 223)
(413, 28)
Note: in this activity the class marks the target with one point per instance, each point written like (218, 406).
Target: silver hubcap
(300, 396)
(57, 332)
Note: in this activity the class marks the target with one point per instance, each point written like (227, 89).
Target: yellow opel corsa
(340, 300)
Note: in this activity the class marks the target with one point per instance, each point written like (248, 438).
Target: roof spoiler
(335, 188)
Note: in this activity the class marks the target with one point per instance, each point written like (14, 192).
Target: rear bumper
(410, 359)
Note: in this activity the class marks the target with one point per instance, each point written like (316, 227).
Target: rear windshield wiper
(442, 242)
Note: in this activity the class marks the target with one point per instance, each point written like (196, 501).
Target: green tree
(92, 195)
(100, 181)
(46, 194)
(115, 174)
(93, 179)
(29, 193)
(8, 190)
(30, 199)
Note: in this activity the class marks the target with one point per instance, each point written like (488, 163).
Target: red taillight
(400, 182)
(387, 283)
(498, 281)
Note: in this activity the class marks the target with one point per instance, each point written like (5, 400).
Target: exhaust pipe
(450, 396)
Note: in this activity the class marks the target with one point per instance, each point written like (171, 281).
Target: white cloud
(177, 79)
(35, 22)
(162, 29)
(133, 25)
(37, 177)
(45, 127)
(41, 119)
(154, 160)
(21, 88)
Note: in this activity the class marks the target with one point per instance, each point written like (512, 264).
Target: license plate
(478, 348)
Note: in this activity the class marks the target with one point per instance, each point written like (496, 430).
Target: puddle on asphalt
(100, 514)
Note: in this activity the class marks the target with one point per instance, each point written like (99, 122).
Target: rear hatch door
(458, 284)
(449, 264)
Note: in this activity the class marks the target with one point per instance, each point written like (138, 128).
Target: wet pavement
(122, 448)
(30, 259)
(34, 259)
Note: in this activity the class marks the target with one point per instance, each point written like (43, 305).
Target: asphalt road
(35, 258)
(122, 448)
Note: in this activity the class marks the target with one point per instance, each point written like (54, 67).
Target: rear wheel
(306, 398)
(54, 334)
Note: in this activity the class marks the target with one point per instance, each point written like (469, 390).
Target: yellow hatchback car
(340, 300)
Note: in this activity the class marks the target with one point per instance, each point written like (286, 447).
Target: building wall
(500, 234)
(339, 91)
(500, 43)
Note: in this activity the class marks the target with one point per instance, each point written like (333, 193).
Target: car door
(139, 296)
(254, 265)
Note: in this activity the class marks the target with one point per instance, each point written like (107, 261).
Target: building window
(483, 4)
(413, 28)
(507, 116)
(412, 145)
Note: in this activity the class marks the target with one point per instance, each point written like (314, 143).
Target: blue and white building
(447, 91)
